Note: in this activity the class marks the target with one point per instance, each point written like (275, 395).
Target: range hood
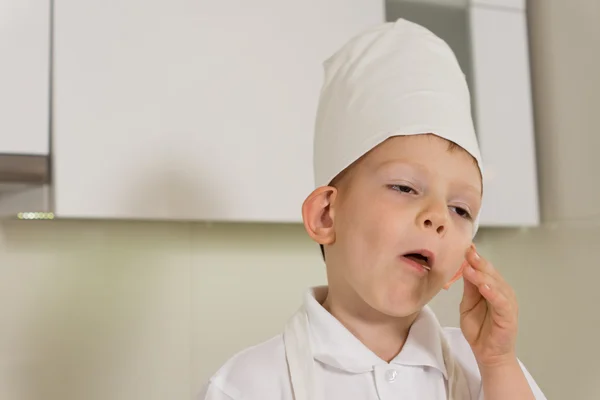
(24, 184)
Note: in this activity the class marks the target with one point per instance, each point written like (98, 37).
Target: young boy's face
(410, 193)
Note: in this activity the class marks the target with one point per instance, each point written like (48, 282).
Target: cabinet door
(192, 110)
(504, 116)
(502, 4)
(24, 76)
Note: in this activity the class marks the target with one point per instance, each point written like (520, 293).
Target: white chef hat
(397, 78)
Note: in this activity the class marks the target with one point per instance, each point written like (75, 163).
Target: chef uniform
(317, 358)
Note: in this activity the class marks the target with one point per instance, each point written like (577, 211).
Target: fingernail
(487, 286)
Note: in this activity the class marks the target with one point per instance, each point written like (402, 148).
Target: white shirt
(347, 368)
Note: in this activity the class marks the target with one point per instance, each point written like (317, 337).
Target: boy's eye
(462, 212)
(403, 189)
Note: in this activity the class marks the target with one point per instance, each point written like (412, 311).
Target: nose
(434, 217)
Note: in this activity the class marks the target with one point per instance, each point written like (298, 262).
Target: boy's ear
(318, 215)
(456, 276)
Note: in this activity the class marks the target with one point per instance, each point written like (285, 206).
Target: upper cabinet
(504, 116)
(24, 103)
(191, 110)
(489, 38)
(510, 4)
(24, 78)
(205, 110)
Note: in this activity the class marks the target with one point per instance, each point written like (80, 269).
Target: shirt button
(391, 375)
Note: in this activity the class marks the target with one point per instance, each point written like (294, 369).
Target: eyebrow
(470, 188)
(392, 163)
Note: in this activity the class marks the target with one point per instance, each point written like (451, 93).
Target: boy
(399, 188)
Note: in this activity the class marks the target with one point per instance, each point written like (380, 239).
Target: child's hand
(488, 313)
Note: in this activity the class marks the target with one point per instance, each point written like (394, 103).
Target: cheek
(465, 229)
(455, 257)
(379, 226)
(366, 226)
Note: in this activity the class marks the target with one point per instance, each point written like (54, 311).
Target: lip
(415, 265)
(427, 253)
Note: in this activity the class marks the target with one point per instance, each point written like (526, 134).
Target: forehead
(417, 146)
(427, 152)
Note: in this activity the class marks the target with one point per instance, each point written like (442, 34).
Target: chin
(400, 311)
(399, 302)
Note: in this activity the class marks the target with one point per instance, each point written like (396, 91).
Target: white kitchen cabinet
(24, 104)
(205, 110)
(507, 4)
(24, 78)
(191, 110)
(489, 38)
(504, 116)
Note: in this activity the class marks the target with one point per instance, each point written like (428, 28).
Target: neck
(382, 334)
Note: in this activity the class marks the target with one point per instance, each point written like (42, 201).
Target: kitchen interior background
(144, 310)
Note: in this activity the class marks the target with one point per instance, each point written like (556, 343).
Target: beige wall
(101, 310)
(122, 310)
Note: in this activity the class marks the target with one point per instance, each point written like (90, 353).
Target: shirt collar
(334, 345)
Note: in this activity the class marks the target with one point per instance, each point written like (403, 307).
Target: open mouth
(421, 259)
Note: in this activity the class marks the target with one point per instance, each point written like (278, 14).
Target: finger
(499, 303)
(478, 277)
(471, 296)
(492, 290)
(481, 264)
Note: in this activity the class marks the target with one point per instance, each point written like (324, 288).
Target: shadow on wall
(172, 189)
